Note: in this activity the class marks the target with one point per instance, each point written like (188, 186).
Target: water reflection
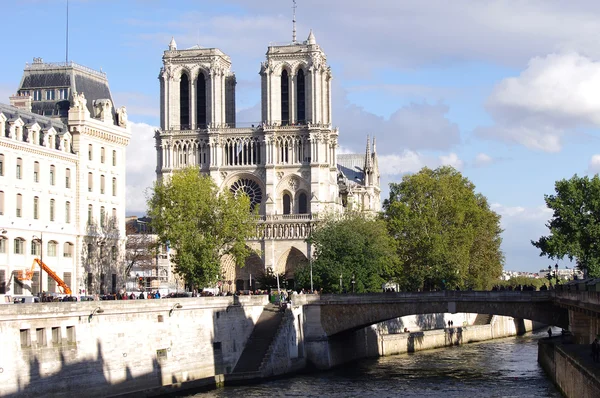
(499, 368)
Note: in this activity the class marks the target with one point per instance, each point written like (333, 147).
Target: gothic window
(287, 204)
(201, 101)
(184, 102)
(300, 98)
(285, 98)
(302, 204)
(250, 188)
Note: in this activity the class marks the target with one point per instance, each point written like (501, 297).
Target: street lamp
(341, 284)
(353, 282)
(41, 240)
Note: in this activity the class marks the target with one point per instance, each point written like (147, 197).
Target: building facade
(287, 163)
(62, 181)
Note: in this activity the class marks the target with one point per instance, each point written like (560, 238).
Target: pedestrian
(596, 350)
(549, 333)
(449, 323)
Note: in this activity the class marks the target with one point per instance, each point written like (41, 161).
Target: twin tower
(286, 162)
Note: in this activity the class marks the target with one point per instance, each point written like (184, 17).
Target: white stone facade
(56, 175)
(287, 163)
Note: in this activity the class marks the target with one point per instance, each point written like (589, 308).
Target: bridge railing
(586, 297)
(447, 295)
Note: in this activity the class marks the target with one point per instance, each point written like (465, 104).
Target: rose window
(250, 188)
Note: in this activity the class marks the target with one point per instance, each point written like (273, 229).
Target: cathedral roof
(351, 165)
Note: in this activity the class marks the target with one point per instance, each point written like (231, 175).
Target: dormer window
(63, 93)
(37, 95)
(50, 95)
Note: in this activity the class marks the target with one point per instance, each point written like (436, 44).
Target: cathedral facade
(287, 164)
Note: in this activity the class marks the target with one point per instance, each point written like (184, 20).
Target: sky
(508, 92)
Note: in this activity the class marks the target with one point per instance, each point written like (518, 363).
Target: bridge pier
(583, 326)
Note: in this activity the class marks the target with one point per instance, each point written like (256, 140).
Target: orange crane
(26, 275)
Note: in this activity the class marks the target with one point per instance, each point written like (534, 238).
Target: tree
(200, 223)
(351, 247)
(575, 224)
(447, 235)
(140, 250)
(102, 256)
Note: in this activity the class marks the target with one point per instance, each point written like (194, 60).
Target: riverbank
(570, 366)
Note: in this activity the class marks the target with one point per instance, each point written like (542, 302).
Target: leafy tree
(202, 224)
(447, 235)
(575, 224)
(141, 249)
(351, 246)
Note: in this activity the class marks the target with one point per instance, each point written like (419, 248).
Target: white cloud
(519, 213)
(412, 162)
(141, 166)
(594, 166)
(483, 159)
(555, 95)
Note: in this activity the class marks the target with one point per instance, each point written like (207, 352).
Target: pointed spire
(374, 150)
(368, 159)
(311, 38)
(172, 44)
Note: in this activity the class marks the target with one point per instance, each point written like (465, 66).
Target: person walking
(549, 333)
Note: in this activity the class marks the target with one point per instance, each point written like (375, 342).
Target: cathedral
(287, 164)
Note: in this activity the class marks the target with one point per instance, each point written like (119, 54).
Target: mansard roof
(29, 118)
(77, 78)
(352, 166)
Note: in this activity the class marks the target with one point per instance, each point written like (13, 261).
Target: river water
(498, 368)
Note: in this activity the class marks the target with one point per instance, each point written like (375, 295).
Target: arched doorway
(236, 278)
(288, 263)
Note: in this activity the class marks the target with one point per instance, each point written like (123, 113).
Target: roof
(351, 165)
(78, 78)
(30, 118)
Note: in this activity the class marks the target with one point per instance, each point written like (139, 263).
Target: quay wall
(573, 375)
(105, 348)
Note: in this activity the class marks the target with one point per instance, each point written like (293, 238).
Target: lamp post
(341, 290)
(353, 282)
(41, 240)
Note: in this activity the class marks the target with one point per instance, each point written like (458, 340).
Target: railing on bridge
(444, 295)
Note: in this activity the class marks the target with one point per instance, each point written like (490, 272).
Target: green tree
(447, 235)
(575, 224)
(202, 224)
(350, 247)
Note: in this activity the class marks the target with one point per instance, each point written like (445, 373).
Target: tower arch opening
(184, 101)
(300, 97)
(201, 113)
(287, 203)
(285, 98)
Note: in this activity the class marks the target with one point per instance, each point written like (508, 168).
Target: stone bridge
(329, 318)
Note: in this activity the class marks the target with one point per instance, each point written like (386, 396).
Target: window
(50, 95)
(17, 284)
(114, 158)
(68, 212)
(184, 102)
(36, 172)
(102, 216)
(90, 152)
(300, 97)
(3, 241)
(52, 248)
(113, 253)
(68, 249)
(90, 213)
(56, 337)
(36, 208)
(287, 202)
(114, 186)
(19, 246)
(102, 153)
(52, 174)
(1, 203)
(63, 93)
(102, 184)
(90, 182)
(2, 164)
(285, 100)
(19, 168)
(71, 333)
(19, 208)
(35, 247)
(25, 339)
(2, 281)
(68, 178)
(37, 95)
(302, 204)
(51, 209)
(24, 93)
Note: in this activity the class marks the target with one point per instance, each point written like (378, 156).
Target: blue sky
(507, 92)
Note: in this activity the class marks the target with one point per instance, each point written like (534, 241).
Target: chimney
(22, 102)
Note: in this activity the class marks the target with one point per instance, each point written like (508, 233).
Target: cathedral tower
(296, 84)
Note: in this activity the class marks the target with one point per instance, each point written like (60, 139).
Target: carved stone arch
(284, 66)
(290, 262)
(201, 70)
(294, 183)
(232, 274)
(300, 65)
(179, 70)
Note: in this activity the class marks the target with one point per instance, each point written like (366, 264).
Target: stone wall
(571, 376)
(118, 347)
(286, 353)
